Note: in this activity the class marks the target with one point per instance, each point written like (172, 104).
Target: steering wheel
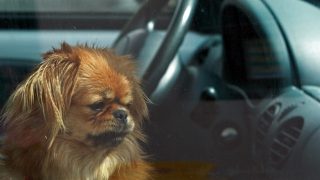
(154, 52)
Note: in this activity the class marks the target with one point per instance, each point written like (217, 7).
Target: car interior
(233, 84)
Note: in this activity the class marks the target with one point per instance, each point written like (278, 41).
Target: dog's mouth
(109, 139)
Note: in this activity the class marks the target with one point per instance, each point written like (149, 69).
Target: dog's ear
(36, 110)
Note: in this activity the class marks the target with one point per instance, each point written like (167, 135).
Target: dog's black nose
(120, 115)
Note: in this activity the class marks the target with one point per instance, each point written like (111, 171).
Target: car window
(240, 98)
(73, 14)
(70, 6)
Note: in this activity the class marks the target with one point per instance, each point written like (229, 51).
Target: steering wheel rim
(175, 34)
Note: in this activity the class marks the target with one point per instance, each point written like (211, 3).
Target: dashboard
(256, 56)
(270, 57)
(284, 138)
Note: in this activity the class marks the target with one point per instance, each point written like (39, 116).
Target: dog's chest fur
(63, 162)
(70, 164)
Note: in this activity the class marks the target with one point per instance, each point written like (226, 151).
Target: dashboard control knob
(229, 135)
(209, 94)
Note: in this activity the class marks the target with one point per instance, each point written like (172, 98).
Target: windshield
(167, 89)
(73, 14)
(69, 6)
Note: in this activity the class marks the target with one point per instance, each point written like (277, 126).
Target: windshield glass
(70, 6)
(208, 89)
(73, 14)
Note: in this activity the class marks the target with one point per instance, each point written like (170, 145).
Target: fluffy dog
(77, 116)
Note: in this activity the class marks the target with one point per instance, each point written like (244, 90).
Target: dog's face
(85, 95)
(100, 113)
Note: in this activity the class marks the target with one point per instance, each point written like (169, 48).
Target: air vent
(285, 141)
(286, 111)
(274, 109)
(265, 122)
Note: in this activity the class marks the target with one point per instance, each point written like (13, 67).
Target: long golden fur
(60, 123)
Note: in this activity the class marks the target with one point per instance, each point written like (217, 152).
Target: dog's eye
(97, 106)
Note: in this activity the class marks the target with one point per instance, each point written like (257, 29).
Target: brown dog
(78, 116)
